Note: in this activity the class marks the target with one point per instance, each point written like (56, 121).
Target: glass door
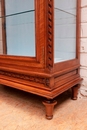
(19, 28)
(64, 30)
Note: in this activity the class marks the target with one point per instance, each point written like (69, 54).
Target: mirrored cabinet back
(40, 47)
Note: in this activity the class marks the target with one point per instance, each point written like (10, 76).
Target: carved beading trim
(29, 78)
(50, 34)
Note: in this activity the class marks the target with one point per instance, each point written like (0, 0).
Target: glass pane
(64, 30)
(20, 27)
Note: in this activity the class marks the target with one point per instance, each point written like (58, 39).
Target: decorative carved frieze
(30, 78)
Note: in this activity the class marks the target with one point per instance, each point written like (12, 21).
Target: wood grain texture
(40, 75)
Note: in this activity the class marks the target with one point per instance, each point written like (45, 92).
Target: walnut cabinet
(40, 47)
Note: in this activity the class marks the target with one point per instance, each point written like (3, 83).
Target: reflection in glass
(64, 30)
(20, 27)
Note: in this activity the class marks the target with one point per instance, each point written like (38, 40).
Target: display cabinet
(40, 47)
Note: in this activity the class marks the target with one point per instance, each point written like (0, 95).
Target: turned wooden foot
(49, 105)
(75, 91)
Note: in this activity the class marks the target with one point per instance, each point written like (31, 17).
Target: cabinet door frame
(72, 64)
(40, 40)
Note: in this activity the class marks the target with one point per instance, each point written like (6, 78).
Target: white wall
(83, 49)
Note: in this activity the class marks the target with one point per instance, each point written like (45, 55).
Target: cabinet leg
(75, 91)
(49, 105)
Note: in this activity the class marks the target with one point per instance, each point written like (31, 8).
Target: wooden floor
(24, 111)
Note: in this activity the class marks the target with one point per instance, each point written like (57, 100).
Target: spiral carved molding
(50, 34)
